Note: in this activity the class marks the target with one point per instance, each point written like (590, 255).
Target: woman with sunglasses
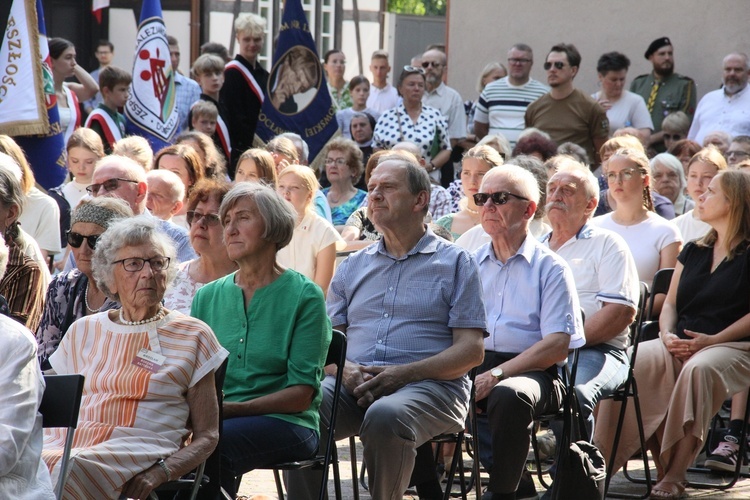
(413, 122)
(653, 240)
(75, 294)
(212, 262)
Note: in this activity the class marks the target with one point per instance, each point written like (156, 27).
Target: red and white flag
(96, 8)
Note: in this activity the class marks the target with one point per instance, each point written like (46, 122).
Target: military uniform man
(664, 90)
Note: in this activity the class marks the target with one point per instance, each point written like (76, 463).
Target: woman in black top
(703, 353)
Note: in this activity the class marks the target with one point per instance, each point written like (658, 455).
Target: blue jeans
(248, 443)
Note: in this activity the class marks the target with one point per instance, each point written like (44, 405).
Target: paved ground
(260, 484)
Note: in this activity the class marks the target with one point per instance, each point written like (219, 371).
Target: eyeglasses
(672, 137)
(516, 60)
(76, 240)
(499, 198)
(338, 161)
(625, 175)
(135, 264)
(194, 217)
(738, 154)
(414, 69)
(557, 64)
(108, 185)
(427, 64)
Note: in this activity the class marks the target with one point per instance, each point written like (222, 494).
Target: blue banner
(46, 153)
(297, 98)
(151, 110)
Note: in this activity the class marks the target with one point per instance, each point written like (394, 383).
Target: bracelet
(165, 468)
(432, 167)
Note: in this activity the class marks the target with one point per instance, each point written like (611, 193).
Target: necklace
(86, 301)
(474, 212)
(159, 315)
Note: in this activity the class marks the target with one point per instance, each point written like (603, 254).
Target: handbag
(581, 470)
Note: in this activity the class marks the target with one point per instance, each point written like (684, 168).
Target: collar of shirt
(584, 233)
(438, 90)
(426, 244)
(526, 250)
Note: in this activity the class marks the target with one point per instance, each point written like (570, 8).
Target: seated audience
(739, 150)
(312, 251)
(136, 148)
(256, 165)
(675, 128)
(669, 181)
(343, 170)
(684, 151)
(359, 88)
(362, 127)
(703, 326)
(149, 375)
(76, 294)
(274, 319)
(535, 144)
(84, 149)
(359, 231)
(185, 162)
(214, 164)
(284, 152)
(719, 139)
(212, 262)
(440, 200)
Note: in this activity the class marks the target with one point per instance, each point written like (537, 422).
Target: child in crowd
(208, 71)
(84, 149)
(359, 88)
(256, 165)
(137, 149)
(203, 117)
(166, 193)
(106, 120)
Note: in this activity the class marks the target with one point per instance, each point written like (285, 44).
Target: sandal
(667, 490)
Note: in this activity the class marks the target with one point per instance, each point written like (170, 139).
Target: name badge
(149, 360)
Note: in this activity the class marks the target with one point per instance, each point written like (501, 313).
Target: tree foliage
(417, 7)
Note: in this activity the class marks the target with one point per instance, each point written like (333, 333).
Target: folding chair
(660, 285)
(205, 481)
(457, 464)
(629, 389)
(337, 356)
(59, 408)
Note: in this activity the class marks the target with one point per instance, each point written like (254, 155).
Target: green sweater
(281, 339)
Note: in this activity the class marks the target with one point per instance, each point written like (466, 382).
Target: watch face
(497, 373)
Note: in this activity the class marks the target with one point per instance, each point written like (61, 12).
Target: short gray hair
(520, 177)
(278, 215)
(130, 232)
(673, 163)
(10, 185)
(417, 178)
(571, 166)
(303, 149)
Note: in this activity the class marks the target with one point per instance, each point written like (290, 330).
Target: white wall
(480, 31)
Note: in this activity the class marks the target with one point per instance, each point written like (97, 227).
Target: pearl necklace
(159, 315)
(86, 301)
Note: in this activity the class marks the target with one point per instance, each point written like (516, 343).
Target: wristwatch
(165, 468)
(498, 373)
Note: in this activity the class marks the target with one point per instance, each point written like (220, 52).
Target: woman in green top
(273, 322)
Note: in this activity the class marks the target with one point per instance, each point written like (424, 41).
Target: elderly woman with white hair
(669, 180)
(274, 323)
(149, 375)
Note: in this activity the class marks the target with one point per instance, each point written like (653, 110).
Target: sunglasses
(499, 198)
(76, 240)
(427, 64)
(558, 65)
(108, 185)
(194, 217)
(414, 69)
(673, 137)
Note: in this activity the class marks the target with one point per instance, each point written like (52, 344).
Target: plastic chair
(59, 408)
(337, 356)
(205, 481)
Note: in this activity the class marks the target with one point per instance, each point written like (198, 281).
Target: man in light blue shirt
(412, 309)
(533, 318)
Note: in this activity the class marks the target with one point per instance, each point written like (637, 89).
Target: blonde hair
(87, 139)
(487, 154)
(308, 180)
(639, 158)
(711, 155)
(251, 24)
(621, 142)
(136, 148)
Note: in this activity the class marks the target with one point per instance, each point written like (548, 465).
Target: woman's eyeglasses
(498, 198)
(414, 69)
(625, 175)
(194, 217)
(336, 161)
(76, 239)
(135, 264)
(557, 64)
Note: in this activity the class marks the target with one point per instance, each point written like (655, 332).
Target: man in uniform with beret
(664, 90)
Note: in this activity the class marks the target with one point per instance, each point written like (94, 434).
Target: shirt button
(239, 356)
(390, 288)
(380, 341)
(386, 315)
(242, 340)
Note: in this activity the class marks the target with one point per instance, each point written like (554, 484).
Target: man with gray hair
(605, 277)
(533, 318)
(166, 194)
(725, 109)
(411, 306)
(121, 177)
(502, 105)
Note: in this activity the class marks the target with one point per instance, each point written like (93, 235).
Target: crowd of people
(440, 235)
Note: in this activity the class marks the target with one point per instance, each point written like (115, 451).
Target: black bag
(581, 471)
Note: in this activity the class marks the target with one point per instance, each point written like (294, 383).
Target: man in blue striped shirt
(412, 309)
